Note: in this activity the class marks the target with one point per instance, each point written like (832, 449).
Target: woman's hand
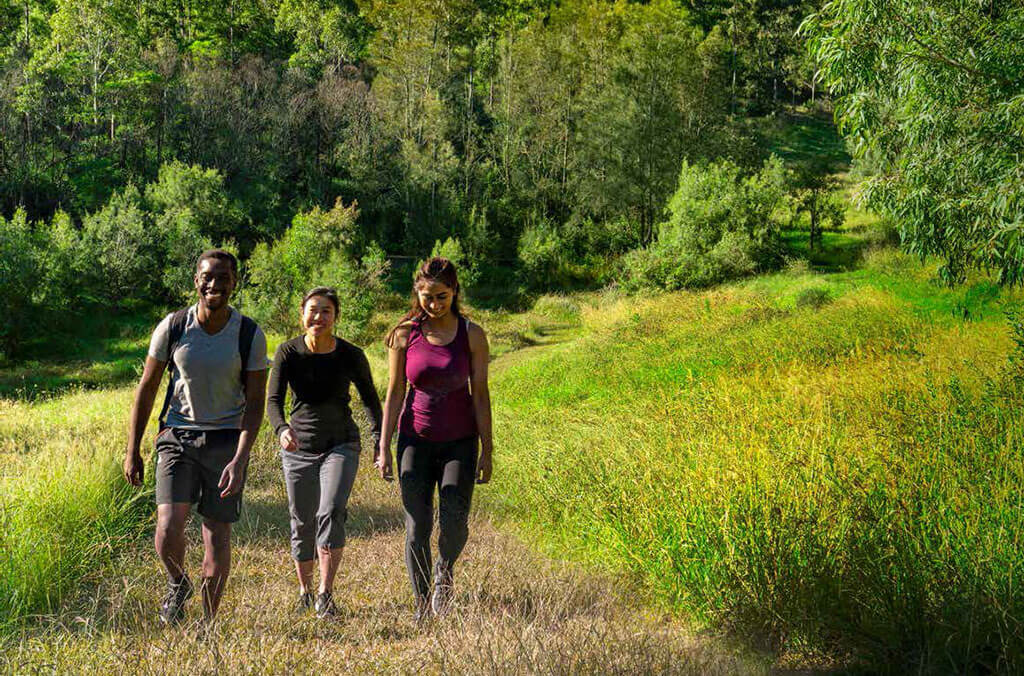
(383, 462)
(288, 440)
(483, 467)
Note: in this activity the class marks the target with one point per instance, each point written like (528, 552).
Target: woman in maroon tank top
(444, 423)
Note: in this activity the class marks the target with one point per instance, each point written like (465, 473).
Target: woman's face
(435, 298)
(318, 316)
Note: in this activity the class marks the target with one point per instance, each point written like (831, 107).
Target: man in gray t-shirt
(213, 410)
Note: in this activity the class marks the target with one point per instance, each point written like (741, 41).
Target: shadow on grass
(265, 520)
(102, 349)
(838, 252)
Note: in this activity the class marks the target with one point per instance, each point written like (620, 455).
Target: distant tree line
(134, 133)
(441, 118)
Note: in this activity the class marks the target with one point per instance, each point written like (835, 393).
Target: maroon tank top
(438, 405)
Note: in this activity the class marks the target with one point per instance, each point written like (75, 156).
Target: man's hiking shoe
(305, 603)
(441, 601)
(172, 609)
(325, 605)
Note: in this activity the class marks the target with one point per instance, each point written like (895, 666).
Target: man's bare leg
(216, 563)
(169, 539)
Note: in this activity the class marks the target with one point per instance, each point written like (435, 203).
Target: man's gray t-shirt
(207, 383)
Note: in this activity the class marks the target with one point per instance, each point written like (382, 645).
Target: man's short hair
(221, 255)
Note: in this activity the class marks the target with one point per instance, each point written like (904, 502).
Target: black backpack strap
(246, 333)
(175, 332)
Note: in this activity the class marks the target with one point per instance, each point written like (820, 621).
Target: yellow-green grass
(515, 611)
(64, 510)
(844, 475)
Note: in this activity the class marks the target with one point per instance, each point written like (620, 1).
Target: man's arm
(233, 477)
(142, 406)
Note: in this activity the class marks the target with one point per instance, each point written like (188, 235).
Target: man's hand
(232, 479)
(483, 467)
(288, 440)
(133, 468)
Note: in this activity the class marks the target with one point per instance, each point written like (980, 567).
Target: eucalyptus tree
(931, 93)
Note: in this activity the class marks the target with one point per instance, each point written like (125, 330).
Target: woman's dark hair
(434, 269)
(219, 254)
(325, 291)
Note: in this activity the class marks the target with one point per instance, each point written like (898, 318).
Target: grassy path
(516, 611)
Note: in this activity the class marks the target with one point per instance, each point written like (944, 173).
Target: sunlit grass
(844, 476)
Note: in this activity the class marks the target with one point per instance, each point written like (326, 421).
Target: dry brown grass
(516, 612)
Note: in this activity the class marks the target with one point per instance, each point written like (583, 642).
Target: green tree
(932, 92)
(319, 248)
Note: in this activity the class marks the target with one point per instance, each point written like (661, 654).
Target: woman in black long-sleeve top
(320, 441)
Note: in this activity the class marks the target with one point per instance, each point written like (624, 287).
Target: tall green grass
(65, 510)
(843, 475)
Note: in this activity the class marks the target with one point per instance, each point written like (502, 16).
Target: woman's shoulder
(290, 346)
(342, 346)
(476, 333)
(399, 336)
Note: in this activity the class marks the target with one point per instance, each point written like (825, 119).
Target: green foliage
(19, 255)
(930, 93)
(125, 248)
(467, 268)
(721, 225)
(191, 211)
(318, 249)
(327, 34)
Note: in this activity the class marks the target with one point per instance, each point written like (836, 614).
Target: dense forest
(435, 117)
(580, 141)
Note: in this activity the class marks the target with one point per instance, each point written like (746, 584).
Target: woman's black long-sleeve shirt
(320, 416)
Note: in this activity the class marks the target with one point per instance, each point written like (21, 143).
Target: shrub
(124, 247)
(42, 268)
(18, 263)
(557, 256)
(721, 226)
(814, 297)
(451, 249)
(316, 249)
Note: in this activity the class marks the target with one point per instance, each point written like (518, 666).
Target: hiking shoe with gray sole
(444, 593)
(325, 606)
(172, 608)
(305, 603)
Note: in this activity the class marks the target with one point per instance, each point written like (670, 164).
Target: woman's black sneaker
(172, 608)
(422, 612)
(444, 593)
(305, 602)
(325, 605)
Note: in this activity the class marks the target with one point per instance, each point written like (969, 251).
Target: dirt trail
(517, 612)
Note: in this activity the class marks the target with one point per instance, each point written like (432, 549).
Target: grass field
(831, 462)
(826, 464)
(517, 611)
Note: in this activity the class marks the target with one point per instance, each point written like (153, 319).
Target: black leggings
(424, 465)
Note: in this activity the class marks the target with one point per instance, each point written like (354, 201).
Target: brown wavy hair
(435, 269)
